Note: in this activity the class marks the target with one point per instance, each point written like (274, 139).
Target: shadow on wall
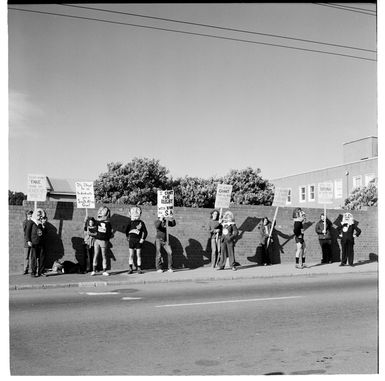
(178, 257)
(54, 245)
(64, 212)
(196, 256)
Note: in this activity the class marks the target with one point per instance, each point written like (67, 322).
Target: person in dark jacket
(27, 249)
(215, 230)
(90, 232)
(299, 217)
(264, 231)
(347, 232)
(229, 233)
(34, 236)
(136, 233)
(161, 242)
(322, 228)
(102, 239)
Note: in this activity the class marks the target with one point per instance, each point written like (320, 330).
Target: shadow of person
(194, 253)
(119, 223)
(248, 225)
(372, 258)
(336, 250)
(148, 255)
(178, 258)
(53, 245)
(80, 252)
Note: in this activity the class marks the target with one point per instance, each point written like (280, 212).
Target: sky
(85, 93)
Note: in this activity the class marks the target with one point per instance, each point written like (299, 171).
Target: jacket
(320, 227)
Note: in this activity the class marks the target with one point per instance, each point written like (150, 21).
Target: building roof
(61, 186)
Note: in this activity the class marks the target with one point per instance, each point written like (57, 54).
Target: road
(295, 325)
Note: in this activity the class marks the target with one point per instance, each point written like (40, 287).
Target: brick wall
(189, 238)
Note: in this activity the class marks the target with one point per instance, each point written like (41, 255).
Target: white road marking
(130, 298)
(227, 301)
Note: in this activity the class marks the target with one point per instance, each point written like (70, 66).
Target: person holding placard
(102, 239)
(215, 231)
(90, 232)
(347, 232)
(324, 237)
(298, 230)
(264, 232)
(229, 233)
(136, 233)
(161, 242)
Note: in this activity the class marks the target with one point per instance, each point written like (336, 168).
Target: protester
(161, 242)
(264, 228)
(136, 233)
(215, 231)
(347, 232)
(43, 244)
(27, 249)
(229, 233)
(90, 232)
(34, 235)
(322, 228)
(102, 239)
(299, 217)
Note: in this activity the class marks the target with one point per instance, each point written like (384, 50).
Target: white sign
(37, 188)
(280, 196)
(85, 197)
(166, 203)
(325, 193)
(223, 196)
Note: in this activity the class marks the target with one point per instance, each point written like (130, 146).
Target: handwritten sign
(85, 197)
(280, 196)
(37, 188)
(166, 203)
(223, 196)
(325, 193)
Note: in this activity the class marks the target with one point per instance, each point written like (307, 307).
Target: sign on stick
(325, 193)
(280, 196)
(37, 188)
(85, 197)
(166, 203)
(223, 196)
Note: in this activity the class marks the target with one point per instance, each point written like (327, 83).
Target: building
(61, 189)
(360, 166)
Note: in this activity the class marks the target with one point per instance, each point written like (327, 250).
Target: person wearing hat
(27, 249)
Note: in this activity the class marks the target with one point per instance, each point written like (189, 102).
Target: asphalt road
(299, 325)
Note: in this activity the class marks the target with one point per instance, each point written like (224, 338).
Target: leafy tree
(249, 188)
(136, 182)
(16, 198)
(362, 196)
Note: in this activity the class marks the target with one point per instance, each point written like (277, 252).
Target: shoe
(33, 275)
(342, 264)
(170, 270)
(93, 273)
(140, 271)
(159, 271)
(220, 268)
(234, 268)
(25, 272)
(298, 266)
(304, 266)
(105, 273)
(352, 265)
(130, 271)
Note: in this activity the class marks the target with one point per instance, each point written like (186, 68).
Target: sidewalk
(118, 277)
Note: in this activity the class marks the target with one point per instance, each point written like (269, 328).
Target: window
(369, 177)
(357, 181)
(338, 188)
(302, 194)
(311, 192)
(288, 201)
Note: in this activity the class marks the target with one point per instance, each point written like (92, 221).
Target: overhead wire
(344, 9)
(215, 27)
(191, 33)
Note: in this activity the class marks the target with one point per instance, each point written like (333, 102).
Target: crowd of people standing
(222, 229)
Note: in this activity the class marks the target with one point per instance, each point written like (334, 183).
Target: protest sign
(85, 197)
(166, 203)
(223, 196)
(37, 188)
(280, 196)
(325, 193)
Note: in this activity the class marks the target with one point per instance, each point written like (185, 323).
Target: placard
(166, 203)
(280, 196)
(37, 188)
(325, 193)
(223, 196)
(85, 197)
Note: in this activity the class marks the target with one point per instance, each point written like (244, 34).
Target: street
(291, 325)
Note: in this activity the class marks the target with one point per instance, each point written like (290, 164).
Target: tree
(362, 196)
(249, 188)
(136, 182)
(16, 198)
